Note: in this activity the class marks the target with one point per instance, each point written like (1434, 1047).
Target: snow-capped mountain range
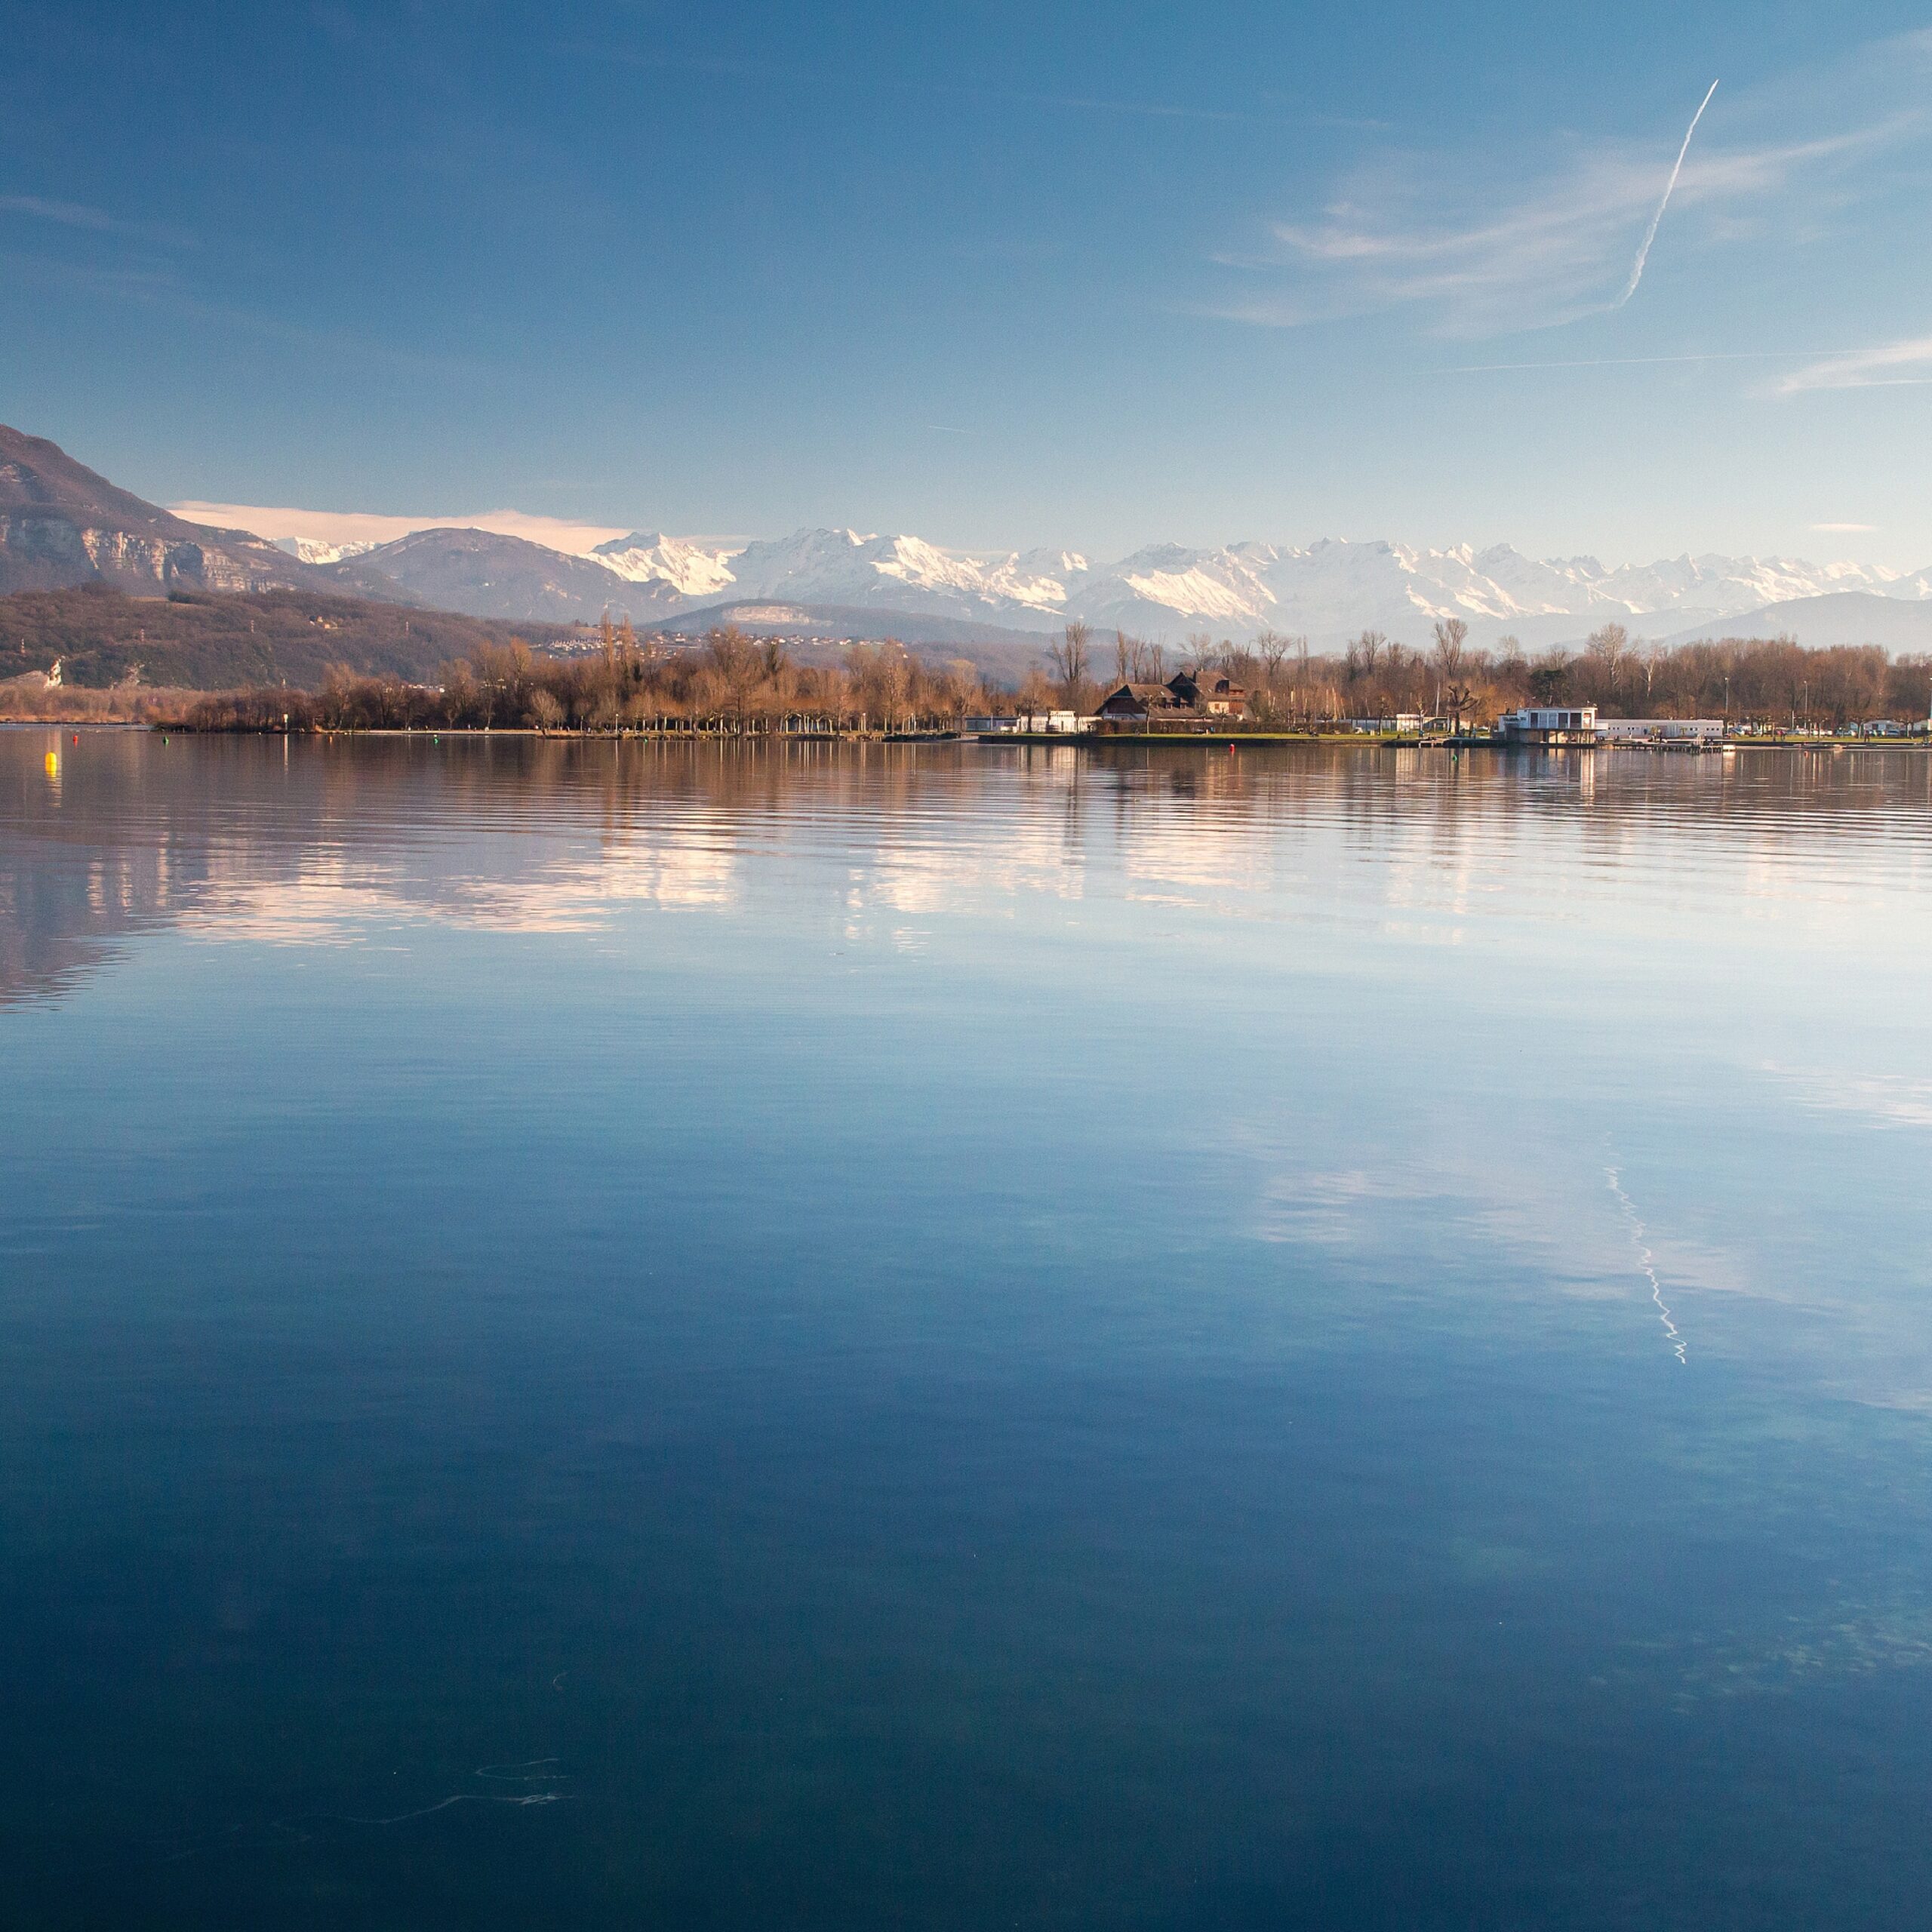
(1327, 591)
(62, 524)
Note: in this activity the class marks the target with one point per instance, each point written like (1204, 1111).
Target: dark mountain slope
(493, 575)
(213, 642)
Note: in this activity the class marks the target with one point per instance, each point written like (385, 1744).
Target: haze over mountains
(62, 525)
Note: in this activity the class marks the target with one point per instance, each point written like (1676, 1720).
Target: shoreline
(1194, 741)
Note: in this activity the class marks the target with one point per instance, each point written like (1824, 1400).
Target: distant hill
(207, 642)
(488, 575)
(1845, 617)
(62, 525)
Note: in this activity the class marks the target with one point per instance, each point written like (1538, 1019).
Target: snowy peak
(1038, 580)
(689, 569)
(312, 550)
(1333, 588)
(1328, 590)
(901, 573)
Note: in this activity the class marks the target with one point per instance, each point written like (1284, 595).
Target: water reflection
(947, 1328)
(324, 842)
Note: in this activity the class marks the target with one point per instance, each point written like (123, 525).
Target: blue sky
(999, 275)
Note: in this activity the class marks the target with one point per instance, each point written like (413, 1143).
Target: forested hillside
(209, 642)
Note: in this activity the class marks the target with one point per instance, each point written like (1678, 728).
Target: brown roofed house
(1132, 700)
(1213, 692)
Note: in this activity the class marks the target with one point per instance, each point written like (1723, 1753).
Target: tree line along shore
(731, 683)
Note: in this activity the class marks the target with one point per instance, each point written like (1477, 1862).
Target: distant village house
(1187, 694)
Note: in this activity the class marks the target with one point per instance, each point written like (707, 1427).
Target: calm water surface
(954, 1337)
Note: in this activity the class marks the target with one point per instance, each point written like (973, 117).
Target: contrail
(1650, 233)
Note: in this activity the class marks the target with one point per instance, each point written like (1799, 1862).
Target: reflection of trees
(543, 834)
(61, 906)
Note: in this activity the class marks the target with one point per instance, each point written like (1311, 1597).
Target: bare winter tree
(960, 687)
(1608, 650)
(1367, 653)
(1271, 648)
(730, 682)
(1652, 657)
(1459, 700)
(1071, 658)
(1449, 656)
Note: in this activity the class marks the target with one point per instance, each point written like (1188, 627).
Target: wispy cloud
(1843, 529)
(329, 903)
(93, 221)
(1414, 232)
(1621, 361)
(1882, 1099)
(1549, 258)
(1906, 365)
(162, 289)
(375, 527)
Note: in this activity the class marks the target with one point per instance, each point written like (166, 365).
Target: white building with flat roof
(1029, 724)
(1550, 725)
(1660, 731)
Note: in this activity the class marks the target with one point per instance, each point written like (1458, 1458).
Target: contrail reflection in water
(1646, 1261)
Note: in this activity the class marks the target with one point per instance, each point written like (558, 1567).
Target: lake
(950, 1336)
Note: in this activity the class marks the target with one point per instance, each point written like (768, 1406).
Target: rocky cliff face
(61, 525)
(49, 553)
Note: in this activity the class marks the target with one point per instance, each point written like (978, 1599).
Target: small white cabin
(1550, 725)
(1031, 724)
